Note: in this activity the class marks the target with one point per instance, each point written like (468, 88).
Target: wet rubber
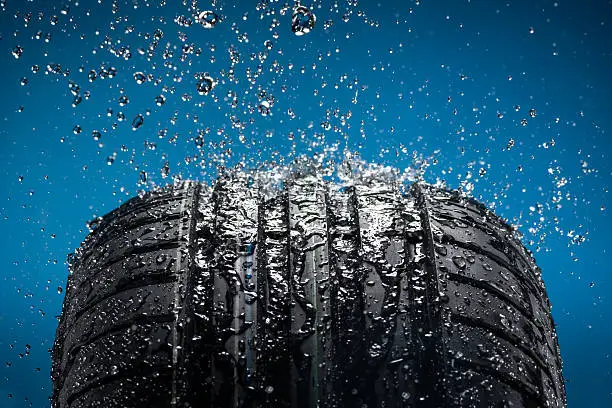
(315, 295)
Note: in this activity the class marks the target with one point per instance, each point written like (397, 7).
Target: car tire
(312, 294)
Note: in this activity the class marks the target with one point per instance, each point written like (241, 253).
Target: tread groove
(104, 237)
(180, 356)
(518, 385)
(109, 379)
(101, 269)
(485, 285)
(467, 206)
(263, 297)
(514, 340)
(163, 245)
(446, 239)
(355, 316)
(148, 280)
(74, 351)
(432, 359)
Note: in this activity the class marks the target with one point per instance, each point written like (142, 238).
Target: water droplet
(161, 258)
(77, 129)
(77, 100)
(208, 19)
(96, 135)
(60, 290)
(137, 122)
(504, 321)
(17, 51)
(110, 160)
(440, 249)
(302, 21)
(140, 78)
(123, 100)
(92, 75)
(591, 284)
(205, 84)
(269, 389)
(459, 262)
(165, 170)
(160, 100)
(405, 396)
(532, 113)
(264, 108)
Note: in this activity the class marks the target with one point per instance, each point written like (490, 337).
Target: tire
(312, 295)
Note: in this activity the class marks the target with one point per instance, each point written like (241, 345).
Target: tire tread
(314, 294)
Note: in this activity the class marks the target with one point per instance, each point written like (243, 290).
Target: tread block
(234, 295)
(141, 268)
(479, 305)
(382, 229)
(349, 328)
(274, 298)
(152, 391)
(482, 390)
(114, 225)
(310, 288)
(500, 238)
(140, 350)
(483, 347)
(128, 242)
(119, 312)
(458, 231)
(474, 213)
(477, 268)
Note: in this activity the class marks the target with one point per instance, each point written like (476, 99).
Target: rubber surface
(312, 296)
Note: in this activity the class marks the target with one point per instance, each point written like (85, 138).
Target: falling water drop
(160, 100)
(137, 122)
(17, 51)
(140, 78)
(205, 84)
(208, 19)
(302, 21)
(264, 108)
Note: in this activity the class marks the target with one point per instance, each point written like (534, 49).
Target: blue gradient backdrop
(445, 85)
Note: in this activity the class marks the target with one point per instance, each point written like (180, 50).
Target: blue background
(445, 87)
